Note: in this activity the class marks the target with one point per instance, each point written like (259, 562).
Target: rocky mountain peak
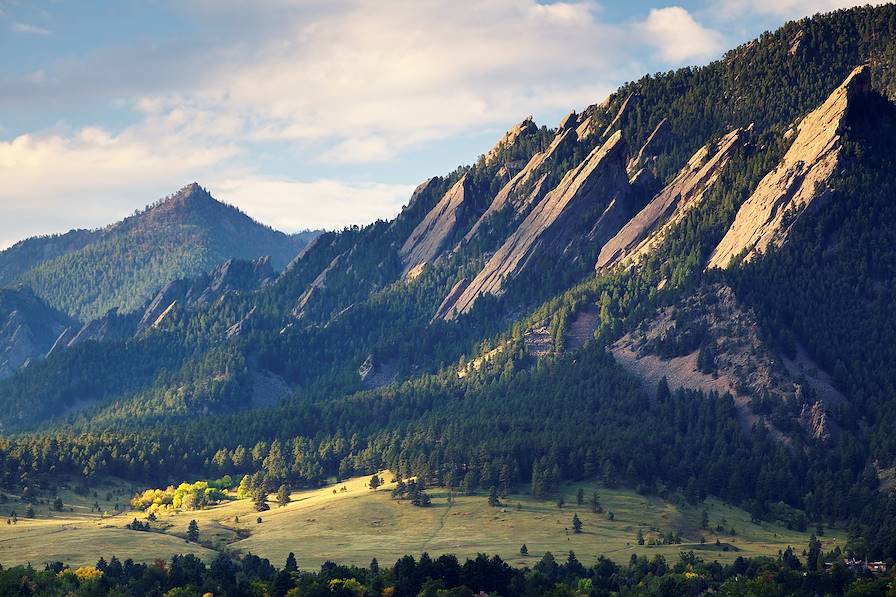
(526, 127)
(800, 178)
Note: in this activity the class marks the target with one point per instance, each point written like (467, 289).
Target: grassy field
(358, 524)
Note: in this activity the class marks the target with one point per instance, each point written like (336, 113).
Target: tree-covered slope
(87, 273)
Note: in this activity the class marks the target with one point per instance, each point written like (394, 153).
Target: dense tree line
(446, 576)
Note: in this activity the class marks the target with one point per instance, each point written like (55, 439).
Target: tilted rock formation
(617, 120)
(445, 224)
(526, 127)
(798, 180)
(110, 327)
(421, 190)
(584, 195)
(234, 275)
(28, 329)
(530, 184)
(645, 231)
(316, 286)
(649, 151)
(452, 297)
(437, 230)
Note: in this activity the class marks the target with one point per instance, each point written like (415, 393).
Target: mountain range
(687, 286)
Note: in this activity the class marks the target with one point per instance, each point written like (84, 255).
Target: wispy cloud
(293, 205)
(30, 29)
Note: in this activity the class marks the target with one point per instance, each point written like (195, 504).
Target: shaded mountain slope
(28, 328)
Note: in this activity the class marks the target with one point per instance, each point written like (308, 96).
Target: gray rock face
(650, 150)
(531, 183)
(586, 195)
(647, 229)
(438, 229)
(234, 275)
(797, 181)
(28, 329)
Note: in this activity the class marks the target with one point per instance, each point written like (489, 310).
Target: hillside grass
(358, 524)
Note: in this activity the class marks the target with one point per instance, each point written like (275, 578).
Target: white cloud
(30, 29)
(678, 37)
(295, 205)
(379, 78)
(354, 82)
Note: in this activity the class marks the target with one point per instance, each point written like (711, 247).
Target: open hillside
(350, 523)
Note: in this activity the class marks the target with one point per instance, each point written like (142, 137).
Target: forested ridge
(87, 273)
(476, 403)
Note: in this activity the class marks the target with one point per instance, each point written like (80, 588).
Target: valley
(676, 301)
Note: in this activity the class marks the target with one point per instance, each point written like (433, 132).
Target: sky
(309, 113)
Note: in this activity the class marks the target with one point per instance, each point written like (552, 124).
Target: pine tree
(580, 496)
(591, 468)
(375, 481)
(524, 551)
(193, 532)
(283, 496)
(504, 480)
(560, 501)
(493, 497)
(576, 524)
(291, 564)
(275, 465)
(595, 503)
(374, 567)
(706, 361)
(640, 537)
(260, 499)
(813, 555)
(29, 511)
(662, 390)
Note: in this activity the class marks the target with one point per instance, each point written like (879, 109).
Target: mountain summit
(86, 273)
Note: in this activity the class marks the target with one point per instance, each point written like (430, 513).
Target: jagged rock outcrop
(584, 196)
(242, 326)
(437, 230)
(111, 327)
(798, 180)
(620, 113)
(319, 283)
(28, 329)
(645, 231)
(710, 341)
(815, 421)
(375, 373)
(650, 150)
(234, 275)
(526, 127)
